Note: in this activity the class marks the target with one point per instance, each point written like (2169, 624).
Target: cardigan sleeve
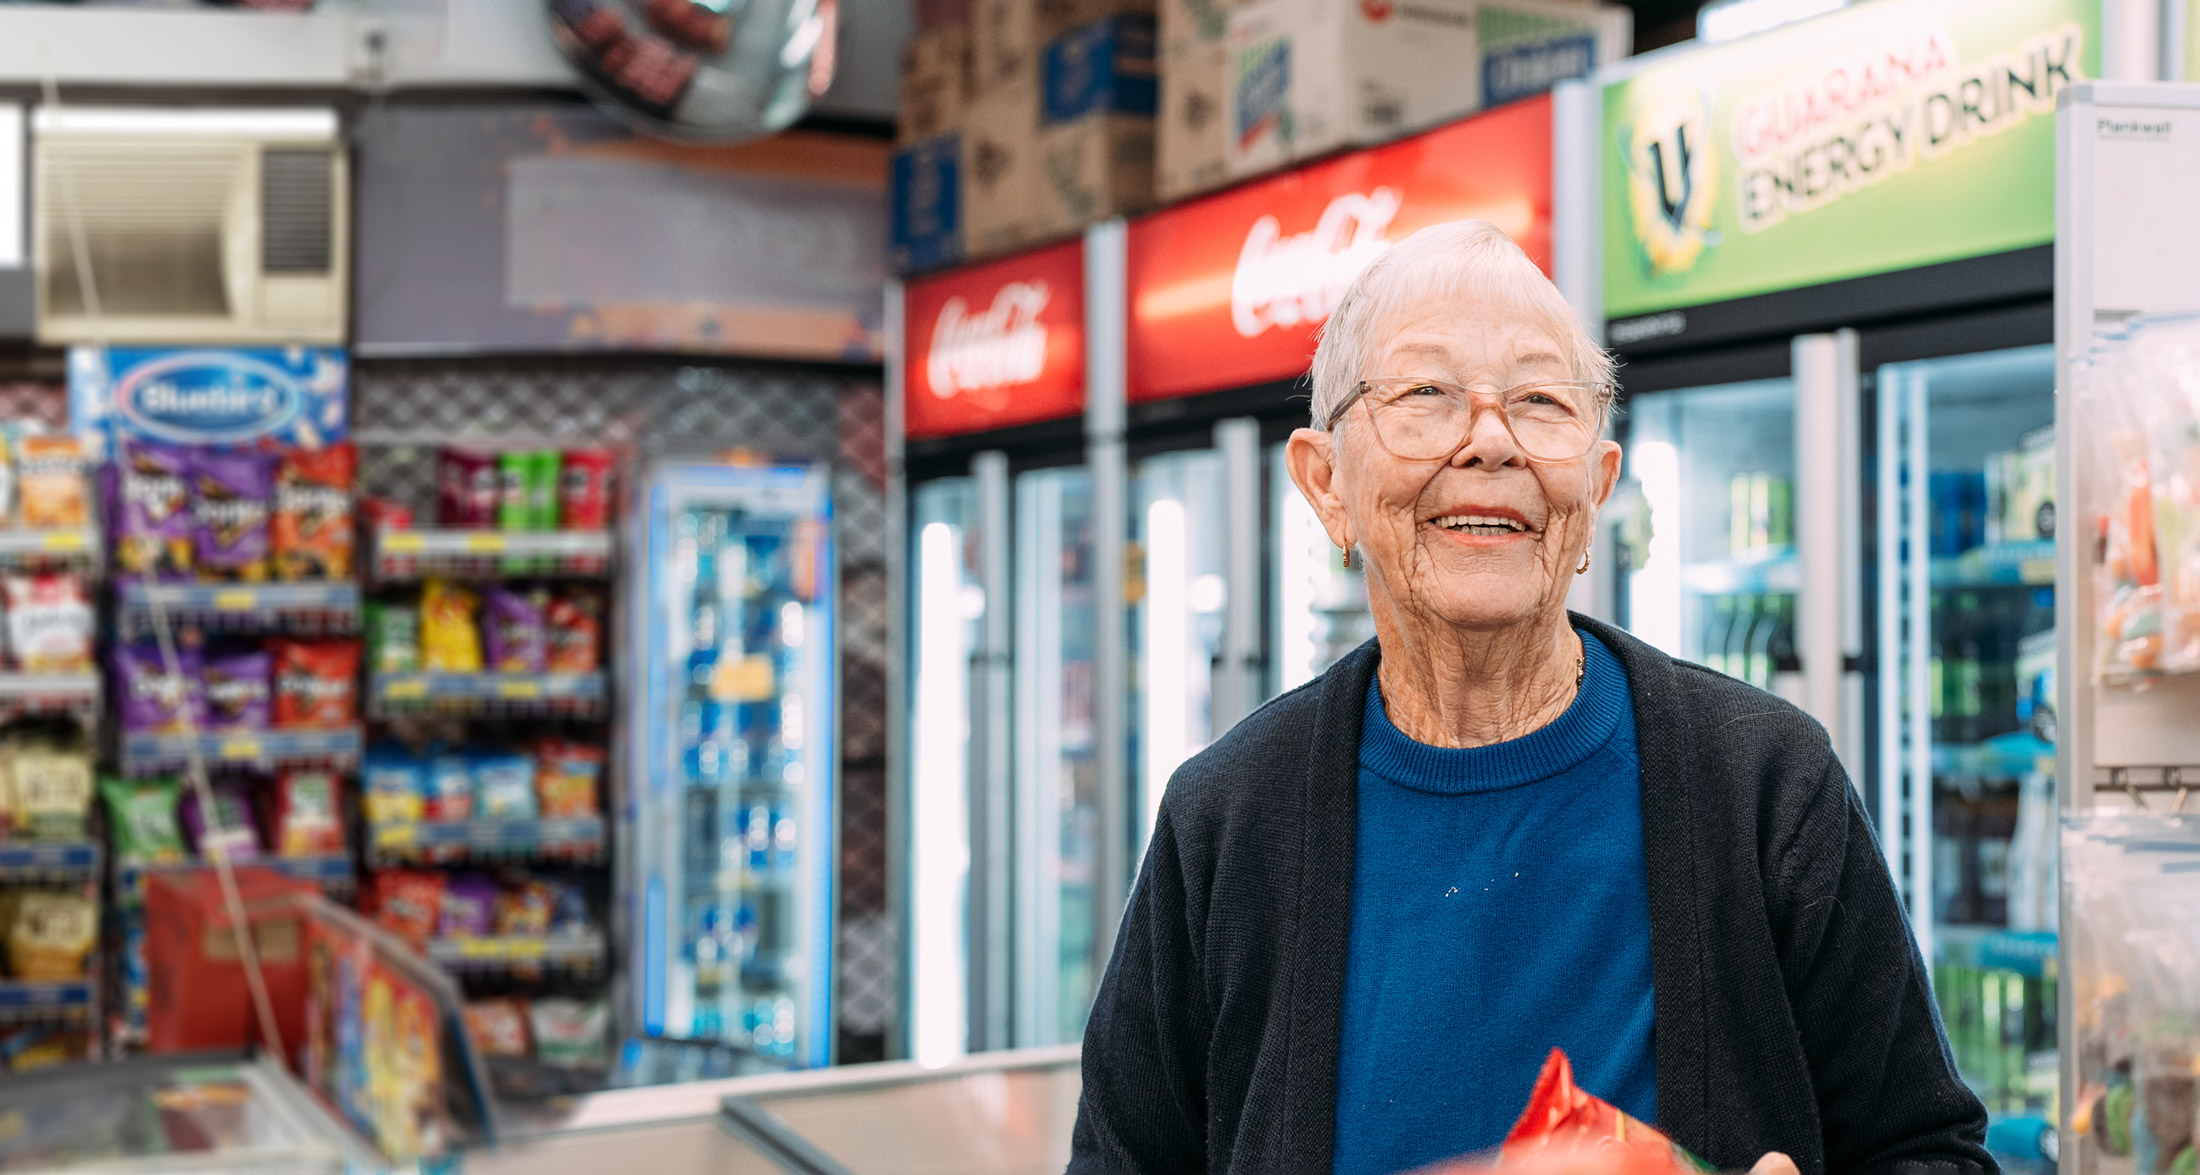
(1889, 1097)
(1143, 1106)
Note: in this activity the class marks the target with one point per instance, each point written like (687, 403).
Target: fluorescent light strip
(1654, 603)
(939, 846)
(315, 123)
(1167, 731)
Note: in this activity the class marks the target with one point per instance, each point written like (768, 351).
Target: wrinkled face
(1486, 537)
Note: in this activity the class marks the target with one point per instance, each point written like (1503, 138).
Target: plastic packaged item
(153, 529)
(7, 478)
(513, 631)
(51, 481)
(504, 785)
(237, 688)
(142, 816)
(449, 640)
(543, 468)
(568, 908)
(49, 623)
(498, 1026)
(307, 814)
(524, 910)
(233, 495)
(573, 624)
(568, 779)
(450, 787)
(393, 638)
(228, 827)
(51, 935)
(409, 902)
(312, 536)
(154, 700)
(51, 788)
(465, 488)
(514, 511)
(393, 785)
(316, 682)
(1562, 1119)
(584, 489)
(469, 907)
(569, 1034)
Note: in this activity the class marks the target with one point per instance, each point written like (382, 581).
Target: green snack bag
(393, 638)
(544, 467)
(513, 470)
(143, 813)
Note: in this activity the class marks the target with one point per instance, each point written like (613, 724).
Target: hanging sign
(1879, 138)
(996, 344)
(1229, 291)
(218, 396)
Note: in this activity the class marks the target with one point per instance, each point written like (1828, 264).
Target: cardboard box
(935, 84)
(196, 991)
(1000, 169)
(1528, 46)
(1190, 146)
(1104, 67)
(1095, 167)
(1004, 43)
(1191, 24)
(925, 204)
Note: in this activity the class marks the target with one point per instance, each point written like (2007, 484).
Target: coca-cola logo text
(986, 353)
(1285, 281)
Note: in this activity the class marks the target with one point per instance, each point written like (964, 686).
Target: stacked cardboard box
(1252, 85)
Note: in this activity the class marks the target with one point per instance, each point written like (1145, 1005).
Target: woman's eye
(1425, 390)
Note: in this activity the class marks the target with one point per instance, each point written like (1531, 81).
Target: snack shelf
(404, 556)
(580, 837)
(579, 950)
(330, 871)
(306, 609)
(22, 861)
(45, 999)
(75, 549)
(1775, 572)
(2027, 564)
(579, 695)
(50, 693)
(154, 754)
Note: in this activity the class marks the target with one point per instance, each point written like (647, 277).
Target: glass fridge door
(1318, 605)
(1713, 577)
(947, 604)
(731, 717)
(1967, 528)
(1058, 803)
(1177, 519)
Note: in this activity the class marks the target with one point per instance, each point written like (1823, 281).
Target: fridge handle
(1826, 495)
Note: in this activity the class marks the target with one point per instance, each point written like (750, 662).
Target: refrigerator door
(1967, 728)
(731, 710)
(1178, 521)
(1319, 606)
(1057, 779)
(1713, 575)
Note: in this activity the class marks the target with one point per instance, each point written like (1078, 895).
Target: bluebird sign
(211, 396)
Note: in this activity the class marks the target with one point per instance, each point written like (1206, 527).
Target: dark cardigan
(1793, 1011)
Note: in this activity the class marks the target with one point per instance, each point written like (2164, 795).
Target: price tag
(238, 748)
(403, 543)
(65, 540)
(502, 948)
(519, 690)
(236, 600)
(2037, 571)
(484, 544)
(396, 836)
(405, 689)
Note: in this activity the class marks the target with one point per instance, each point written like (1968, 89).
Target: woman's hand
(1775, 1163)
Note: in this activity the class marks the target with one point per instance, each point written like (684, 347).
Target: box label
(925, 204)
(1521, 70)
(1260, 81)
(210, 395)
(1106, 67)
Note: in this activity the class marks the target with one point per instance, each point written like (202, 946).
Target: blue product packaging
(450, 787)
(393, 785)
(220, 397)
(1105, 67)
(924, 183)
(504, 785)
(1519, 71)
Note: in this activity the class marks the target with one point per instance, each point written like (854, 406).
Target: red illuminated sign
(1228, 291)
(995, 344)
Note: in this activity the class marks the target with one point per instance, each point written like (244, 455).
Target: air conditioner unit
(190, 226)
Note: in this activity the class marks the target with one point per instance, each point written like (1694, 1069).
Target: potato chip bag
(51, 935)
(49, 623)
(568, 778)
(1562, 1117)
(232, 495)
(307, 815)
(498, 1026)
(142, 815)
(450, 641)
(50, 479)
(53, 790)
(153, 535)
(312, 533)
(408, 902)
(316, 682)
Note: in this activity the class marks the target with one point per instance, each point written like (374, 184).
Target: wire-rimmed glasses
(1420, 419)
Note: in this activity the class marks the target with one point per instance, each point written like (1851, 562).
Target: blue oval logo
(209, 398)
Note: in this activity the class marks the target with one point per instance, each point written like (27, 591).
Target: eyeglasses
(1426, 419)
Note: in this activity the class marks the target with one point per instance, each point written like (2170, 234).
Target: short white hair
(1459, 261)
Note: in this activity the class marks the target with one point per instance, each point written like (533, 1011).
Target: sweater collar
(1586, 726)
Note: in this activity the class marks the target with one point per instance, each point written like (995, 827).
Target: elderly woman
(1369, 912)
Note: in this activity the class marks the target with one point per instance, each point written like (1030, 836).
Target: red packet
(1564, 1120)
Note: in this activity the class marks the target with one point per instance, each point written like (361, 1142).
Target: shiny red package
(584, 489)
(465, 489)
(498, 1026)
(575, 623)
(306, 817)
(312, 530)
(409, 902)
(316, 682)
(1564, 1126)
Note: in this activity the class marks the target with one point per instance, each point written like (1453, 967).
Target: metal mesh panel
(45, 403)
(404, 409)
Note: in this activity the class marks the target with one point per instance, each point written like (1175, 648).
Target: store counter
(1005, 1113)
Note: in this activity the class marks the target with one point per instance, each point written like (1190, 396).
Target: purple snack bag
(152, 515)
(233, 493)
(237, 688)
(469, 906)
(233, 829)
(514, 633)
(151, 698)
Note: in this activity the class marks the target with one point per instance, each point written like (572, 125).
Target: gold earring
(1583, 569)
(1348, 558)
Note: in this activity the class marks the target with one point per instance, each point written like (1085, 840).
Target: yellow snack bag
(450, 640)
(51, 935)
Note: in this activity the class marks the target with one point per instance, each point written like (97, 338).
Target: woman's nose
(1489, 439)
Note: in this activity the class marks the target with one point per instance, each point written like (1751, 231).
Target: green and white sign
(1889, 135)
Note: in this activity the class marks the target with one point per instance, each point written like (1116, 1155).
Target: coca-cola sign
(1231, 290)
(995, 345)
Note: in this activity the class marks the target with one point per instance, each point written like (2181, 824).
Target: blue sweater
(1500, 908)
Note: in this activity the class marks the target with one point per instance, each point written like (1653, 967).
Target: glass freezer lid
(979, 1119)
(180, 1114)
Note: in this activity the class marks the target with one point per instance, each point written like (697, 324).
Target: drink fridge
(729, 814)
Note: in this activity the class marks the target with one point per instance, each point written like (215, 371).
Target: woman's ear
(1311, 456)
(1607, 468)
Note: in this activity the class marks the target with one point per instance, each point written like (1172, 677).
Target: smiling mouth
(1486, 525)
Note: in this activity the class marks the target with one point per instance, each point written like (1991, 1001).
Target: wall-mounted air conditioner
(189, 226)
